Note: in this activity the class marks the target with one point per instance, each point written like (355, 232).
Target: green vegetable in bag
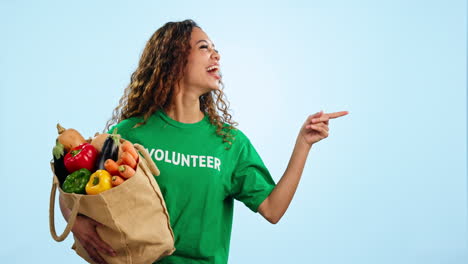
(76, 182)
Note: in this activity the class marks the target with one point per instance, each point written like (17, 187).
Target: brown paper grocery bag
(134, 216)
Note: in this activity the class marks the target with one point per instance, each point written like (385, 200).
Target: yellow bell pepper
(99, 182)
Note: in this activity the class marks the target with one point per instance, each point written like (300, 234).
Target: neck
(185, 108)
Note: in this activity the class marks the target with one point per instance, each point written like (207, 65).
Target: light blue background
(387, 186)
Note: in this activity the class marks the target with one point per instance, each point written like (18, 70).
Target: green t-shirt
(199, 181)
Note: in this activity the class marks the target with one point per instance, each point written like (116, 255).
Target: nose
(215, 55)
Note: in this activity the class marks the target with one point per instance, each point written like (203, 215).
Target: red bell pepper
(82, 156)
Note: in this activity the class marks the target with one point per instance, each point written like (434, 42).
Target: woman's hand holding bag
(85, 231)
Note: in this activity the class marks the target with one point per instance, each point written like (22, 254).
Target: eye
(206, 46)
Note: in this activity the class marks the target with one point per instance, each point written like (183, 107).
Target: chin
(214, 87)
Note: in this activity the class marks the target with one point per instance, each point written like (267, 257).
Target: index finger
(337, 114)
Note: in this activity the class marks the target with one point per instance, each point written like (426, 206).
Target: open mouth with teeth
(214, 71)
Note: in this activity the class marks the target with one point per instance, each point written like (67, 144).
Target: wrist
(302, 143)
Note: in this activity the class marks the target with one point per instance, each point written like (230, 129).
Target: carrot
(128, 147)
(111, 166)
(127, 159)
(126, 171)
(117, 180)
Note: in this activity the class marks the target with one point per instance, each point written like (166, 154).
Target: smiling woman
(203, 58)
(177, 62)
(171, 107)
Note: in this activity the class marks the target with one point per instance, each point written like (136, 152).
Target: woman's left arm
(313, 130)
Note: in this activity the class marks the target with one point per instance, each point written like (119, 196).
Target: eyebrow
(204, 41)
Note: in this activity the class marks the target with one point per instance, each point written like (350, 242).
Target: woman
(171, 107)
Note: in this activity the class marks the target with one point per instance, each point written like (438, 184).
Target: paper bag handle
(71, 219)
(149, 160)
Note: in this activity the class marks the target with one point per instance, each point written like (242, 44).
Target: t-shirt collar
(175, 123)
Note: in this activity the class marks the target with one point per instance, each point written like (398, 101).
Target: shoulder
(126, 125)
(238, 137)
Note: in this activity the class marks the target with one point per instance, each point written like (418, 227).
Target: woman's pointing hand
(316, 128)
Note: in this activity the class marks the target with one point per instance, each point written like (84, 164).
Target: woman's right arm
(85, 231)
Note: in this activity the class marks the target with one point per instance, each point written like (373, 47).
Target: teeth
(212, 67)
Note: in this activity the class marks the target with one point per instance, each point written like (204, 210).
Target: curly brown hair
(160, 68)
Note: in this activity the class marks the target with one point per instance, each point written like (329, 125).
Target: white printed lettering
(210, 162)
(194, 159)
(202, 161)
(217, 164)
(174, 160)
(185, 160)
(181, 159)
(160, 156)
(166, 158)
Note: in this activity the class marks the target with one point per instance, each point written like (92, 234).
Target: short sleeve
(122, 132)
(111, 129)
(121, 127)
(251, 182)
(124, 128)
